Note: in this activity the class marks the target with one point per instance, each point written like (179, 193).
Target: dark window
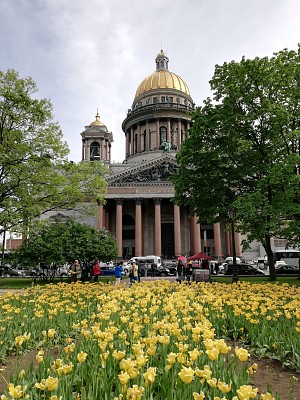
(163, 134)
(155, 100)
(94, 151)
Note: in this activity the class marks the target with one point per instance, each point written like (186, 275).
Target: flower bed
(151, 341)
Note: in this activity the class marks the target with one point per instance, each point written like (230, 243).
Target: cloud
(93, 54)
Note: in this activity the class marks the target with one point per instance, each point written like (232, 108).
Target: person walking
(74, 271)
(134, 273)
(153, 268)
(179, 271)
(96, 271)
(118, 273)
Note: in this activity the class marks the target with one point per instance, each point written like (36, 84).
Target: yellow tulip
(213, 354)
(149, 375)
(224, 387)
(81, 357)
(242, 354)
(246, 392)
(198, 396)
(15, 391)
(186, 374)
(123, 378)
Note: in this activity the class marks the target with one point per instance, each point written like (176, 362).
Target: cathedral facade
(139, 209)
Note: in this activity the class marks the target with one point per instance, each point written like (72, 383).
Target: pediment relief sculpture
(154, 174)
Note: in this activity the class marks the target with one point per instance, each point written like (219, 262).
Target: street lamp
(235, 276)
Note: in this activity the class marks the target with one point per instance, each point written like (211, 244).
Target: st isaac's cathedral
(139, 210)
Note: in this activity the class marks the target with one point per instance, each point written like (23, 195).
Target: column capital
(119, 202)
(138, 200)
(157, 200)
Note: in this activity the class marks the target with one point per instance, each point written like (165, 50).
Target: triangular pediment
(157, 171)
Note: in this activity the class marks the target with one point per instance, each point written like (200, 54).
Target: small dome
(97, 122)
(162, 79)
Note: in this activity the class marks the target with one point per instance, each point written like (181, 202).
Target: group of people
(184, 272)
(75, 271)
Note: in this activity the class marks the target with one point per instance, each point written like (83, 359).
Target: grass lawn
(290, 280)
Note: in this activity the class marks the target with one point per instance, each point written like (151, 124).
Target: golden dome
(97, 122)
(162, 79)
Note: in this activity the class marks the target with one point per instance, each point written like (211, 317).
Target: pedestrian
(189, 271)
(133, 274)
(153, 268)
(118, 273)
(96, 271)
(74, 271)
(179, 271)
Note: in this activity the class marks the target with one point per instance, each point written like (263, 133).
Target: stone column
(217, 239)
(195, 235)
(169, 131)
(157, 136)
(177, 231)
(237, 241)
(138, 144)
(138, 227)
(147, 138)
(102, 149)
(99, 224)
(127, 144)
(131, 141)
(119, 227)
(157, 226)
(109, 158)
(87, 150)
(107, 151)
(83, 149)
(179, 134)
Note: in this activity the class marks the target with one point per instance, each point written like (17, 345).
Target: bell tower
(96, 142)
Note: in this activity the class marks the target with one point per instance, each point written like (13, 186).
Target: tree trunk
(269, 251)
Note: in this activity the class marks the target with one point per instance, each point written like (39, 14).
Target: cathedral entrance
(167, 240)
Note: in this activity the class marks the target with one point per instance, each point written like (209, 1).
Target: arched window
(95, 151)
(163, 134)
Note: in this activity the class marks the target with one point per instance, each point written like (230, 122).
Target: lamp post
(235, 276)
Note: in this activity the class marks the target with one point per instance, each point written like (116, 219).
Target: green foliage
(35, 175)
(63, 242)
(244, 149)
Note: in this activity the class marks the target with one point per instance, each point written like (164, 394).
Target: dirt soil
(269, 376)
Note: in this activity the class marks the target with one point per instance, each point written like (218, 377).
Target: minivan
(147, 260)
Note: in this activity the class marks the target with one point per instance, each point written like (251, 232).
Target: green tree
(57, 243)
(243, 150)
(35, 175)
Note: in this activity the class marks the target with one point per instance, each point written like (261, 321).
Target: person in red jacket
(96, 270)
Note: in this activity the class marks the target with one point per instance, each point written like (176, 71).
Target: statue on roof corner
(165, 146)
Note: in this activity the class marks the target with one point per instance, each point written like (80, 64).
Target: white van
(147, 260)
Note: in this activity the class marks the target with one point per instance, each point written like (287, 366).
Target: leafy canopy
(64, 242)
(243, 149)
(35, 175)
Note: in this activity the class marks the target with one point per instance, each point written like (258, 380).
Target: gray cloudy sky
(89, 54)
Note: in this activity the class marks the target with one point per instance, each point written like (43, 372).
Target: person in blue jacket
(118, 273)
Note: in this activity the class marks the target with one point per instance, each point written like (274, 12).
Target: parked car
(159, 271)
(7, 270)
(287, 269)
(242, 269)
(107, 271)
(171, 265)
